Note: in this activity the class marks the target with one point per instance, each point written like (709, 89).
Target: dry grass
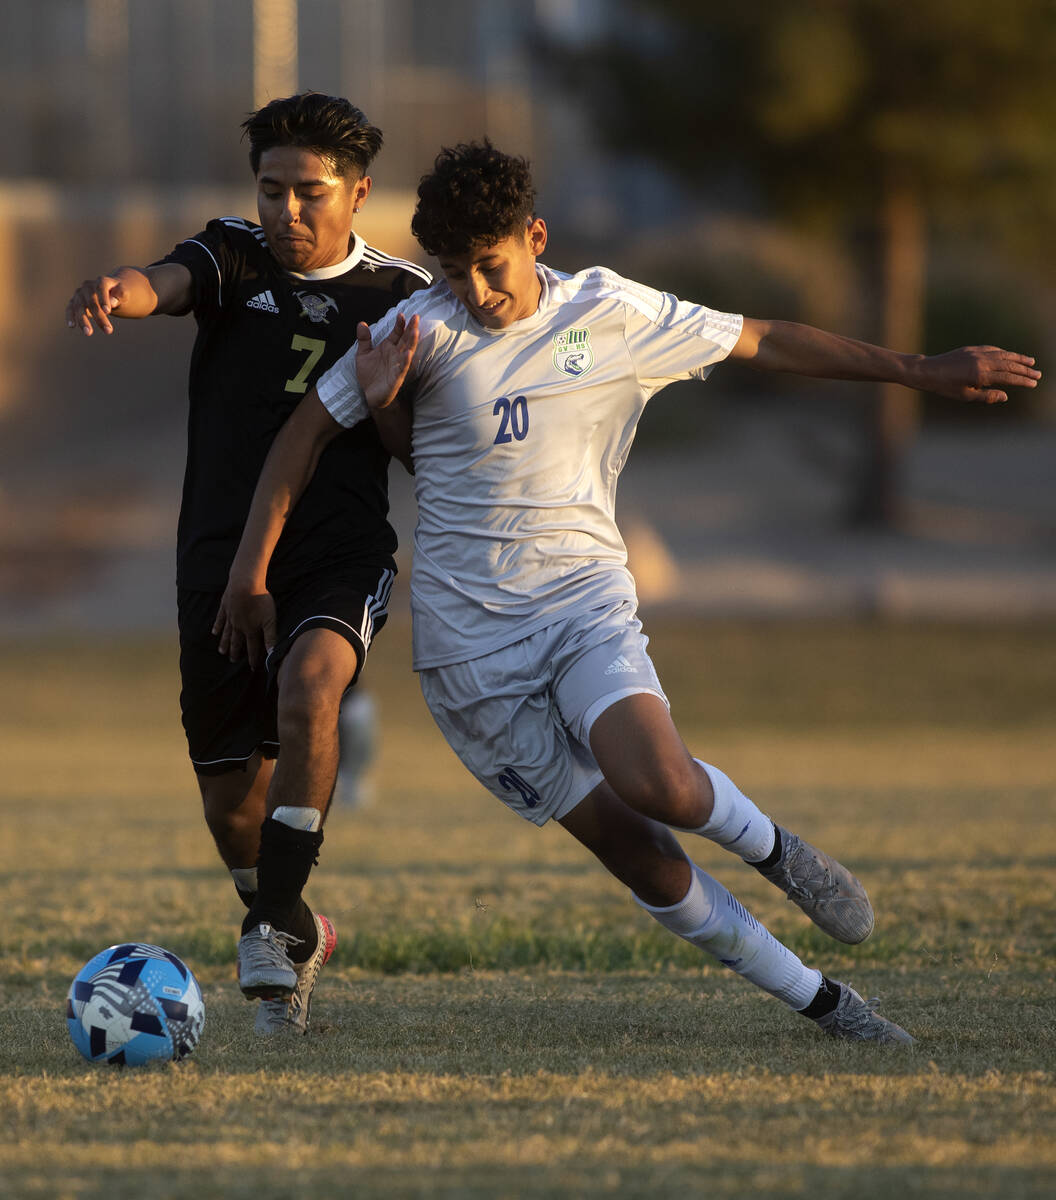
(500, 1020)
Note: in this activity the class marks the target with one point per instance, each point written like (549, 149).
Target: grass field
(499, 1019)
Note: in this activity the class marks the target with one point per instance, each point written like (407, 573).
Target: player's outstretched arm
(130, 292)
(245, 622)
(982, 373)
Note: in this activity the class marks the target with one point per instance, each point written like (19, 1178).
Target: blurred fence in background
(736, 501)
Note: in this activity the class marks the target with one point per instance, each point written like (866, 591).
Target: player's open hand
(93, 302)
(981, 373)
(381, 369)
(246, 624)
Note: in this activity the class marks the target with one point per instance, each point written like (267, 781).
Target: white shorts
(520, 718)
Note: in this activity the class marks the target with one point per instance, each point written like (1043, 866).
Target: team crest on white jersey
(572, 353)
(315, 307)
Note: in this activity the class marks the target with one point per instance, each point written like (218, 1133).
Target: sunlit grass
(500, 1019)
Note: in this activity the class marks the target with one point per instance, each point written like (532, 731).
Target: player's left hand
(246, 625)
(980, 373)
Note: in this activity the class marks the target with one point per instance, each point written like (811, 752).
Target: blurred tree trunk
(865, 115)
(894, 413)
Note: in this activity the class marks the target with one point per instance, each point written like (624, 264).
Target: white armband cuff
(340, 392)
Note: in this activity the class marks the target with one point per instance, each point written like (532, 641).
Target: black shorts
(230, 711)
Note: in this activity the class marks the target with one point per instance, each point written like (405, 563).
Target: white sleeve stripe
(219, 277)
(245, 226)
(648, 301)
(658, 307)
(340, 394)
(588, 295)
(388, 260)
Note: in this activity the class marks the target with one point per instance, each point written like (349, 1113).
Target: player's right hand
(92, 303)
(246, 625)
(381, 369)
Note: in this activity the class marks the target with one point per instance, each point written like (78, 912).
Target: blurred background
(888, 171)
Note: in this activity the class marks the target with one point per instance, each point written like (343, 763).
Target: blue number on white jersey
(514, 419)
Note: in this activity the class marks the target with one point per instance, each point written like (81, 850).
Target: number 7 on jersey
(315, 348)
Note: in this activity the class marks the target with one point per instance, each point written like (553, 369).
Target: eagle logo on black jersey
(315, 307)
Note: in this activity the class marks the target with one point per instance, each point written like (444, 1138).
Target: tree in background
(858, 114)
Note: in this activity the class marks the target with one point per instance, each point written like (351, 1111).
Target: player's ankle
(824, 1002)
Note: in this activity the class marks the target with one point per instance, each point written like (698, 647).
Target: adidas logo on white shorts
(619, 666)
(265, 301)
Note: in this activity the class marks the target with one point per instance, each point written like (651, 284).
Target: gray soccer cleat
(264, 968)
(855, 1020)
(292, 1015)
(826, 891)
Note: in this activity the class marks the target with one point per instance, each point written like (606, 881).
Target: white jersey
(519, 437)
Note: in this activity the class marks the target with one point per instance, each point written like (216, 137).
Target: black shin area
(283, 865)
(302, 926)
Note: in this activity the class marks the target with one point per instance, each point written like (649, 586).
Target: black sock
(773, 856)
(302, 926)
(247, 898)
(824, 1001)
(285, 860)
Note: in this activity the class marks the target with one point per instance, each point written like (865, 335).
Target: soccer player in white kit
(522, 388)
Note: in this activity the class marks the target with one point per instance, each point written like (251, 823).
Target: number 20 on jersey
(513, 419)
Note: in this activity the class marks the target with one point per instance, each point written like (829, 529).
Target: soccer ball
(134, 1003)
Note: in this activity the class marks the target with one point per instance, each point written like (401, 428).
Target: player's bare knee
(309, 697)
(671, 793)
(302, 710)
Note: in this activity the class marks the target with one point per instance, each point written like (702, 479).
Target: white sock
(735, 822)
(308, 819)
(713, 920)
(245, 878)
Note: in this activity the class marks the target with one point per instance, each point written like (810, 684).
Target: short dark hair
(474, 196)
(329, 126)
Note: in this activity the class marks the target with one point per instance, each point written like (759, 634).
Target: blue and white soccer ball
(134, 1003)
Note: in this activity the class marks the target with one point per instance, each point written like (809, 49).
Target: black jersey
(264, 338)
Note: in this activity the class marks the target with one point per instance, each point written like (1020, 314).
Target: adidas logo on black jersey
(265, 301)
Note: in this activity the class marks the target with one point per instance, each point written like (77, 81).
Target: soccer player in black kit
(276, 305)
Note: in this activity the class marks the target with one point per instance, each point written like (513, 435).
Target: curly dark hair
(329, 126)
(475, 196)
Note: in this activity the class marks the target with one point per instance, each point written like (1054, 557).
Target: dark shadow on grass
(554, 1181)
